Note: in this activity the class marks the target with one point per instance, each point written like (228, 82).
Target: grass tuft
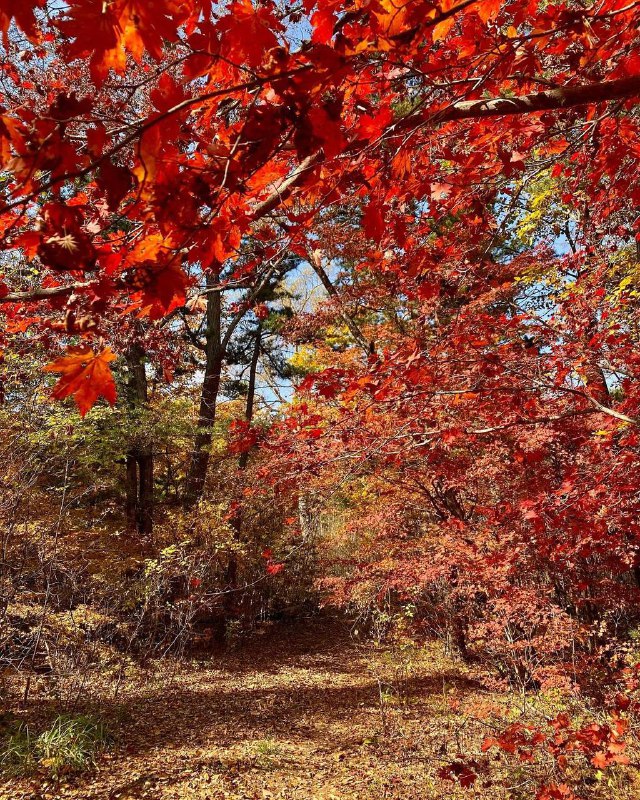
(70, 744)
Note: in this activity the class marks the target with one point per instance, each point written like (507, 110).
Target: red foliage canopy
(495, 385)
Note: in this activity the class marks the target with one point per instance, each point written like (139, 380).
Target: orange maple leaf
(85, 375)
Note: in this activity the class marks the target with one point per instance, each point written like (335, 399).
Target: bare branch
(315, 259)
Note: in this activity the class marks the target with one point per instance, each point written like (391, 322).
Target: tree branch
(281, 192)
(42, 294)
(559, 98)
(315, 259)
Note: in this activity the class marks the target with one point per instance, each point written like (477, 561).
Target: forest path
(303, 712)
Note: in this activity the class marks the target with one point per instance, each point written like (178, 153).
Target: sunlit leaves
(154, 275)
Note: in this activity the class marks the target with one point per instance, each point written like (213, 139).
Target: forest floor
(301, 712)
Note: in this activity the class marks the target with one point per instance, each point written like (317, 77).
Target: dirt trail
(303, 712)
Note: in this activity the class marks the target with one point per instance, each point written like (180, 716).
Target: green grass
(70, 744)
(17, 756)
(266, 753)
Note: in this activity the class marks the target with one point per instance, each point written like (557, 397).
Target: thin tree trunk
(131, 489)
(197, 471)
(251, 392)
(231, 576)
(139, 458)
(145, 494)
(216, 350)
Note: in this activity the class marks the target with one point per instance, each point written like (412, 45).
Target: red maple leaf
(64, 245)
(85, 375)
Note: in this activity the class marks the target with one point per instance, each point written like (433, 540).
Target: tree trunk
(131, 488)
(231, 576)
(251, 392)
(139, 458)
(197, 471)
(145, 493)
